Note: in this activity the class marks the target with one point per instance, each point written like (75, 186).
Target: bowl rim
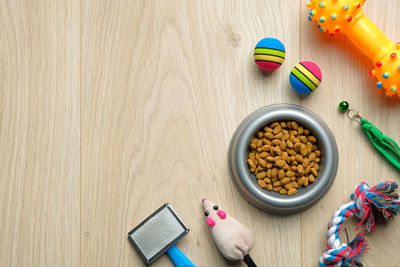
(246, 183)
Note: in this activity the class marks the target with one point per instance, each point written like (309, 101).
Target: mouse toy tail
(249, 261)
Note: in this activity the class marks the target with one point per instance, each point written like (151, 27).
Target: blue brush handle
(178, 258)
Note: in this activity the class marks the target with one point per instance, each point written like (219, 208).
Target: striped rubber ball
(269, 54)
(305, 77)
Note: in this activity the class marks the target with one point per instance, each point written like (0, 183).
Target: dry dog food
(284, 156)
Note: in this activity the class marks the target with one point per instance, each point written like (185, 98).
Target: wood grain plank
(345, 77)
(39, 133)
(164, 84)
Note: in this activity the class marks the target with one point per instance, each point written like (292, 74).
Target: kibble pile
(284, 156)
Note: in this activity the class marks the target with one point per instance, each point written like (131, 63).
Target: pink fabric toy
(232, 238)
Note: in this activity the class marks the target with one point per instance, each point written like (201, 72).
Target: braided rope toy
(376, 204)
(347, 16)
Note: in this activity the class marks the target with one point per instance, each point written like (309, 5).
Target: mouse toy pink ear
(221, 214)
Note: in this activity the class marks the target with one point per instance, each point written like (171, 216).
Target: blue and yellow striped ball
(305, 77)
(269, 54)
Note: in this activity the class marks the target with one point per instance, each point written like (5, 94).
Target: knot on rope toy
(359, 197)
(345, 255)
(371, 205)
(334, 256)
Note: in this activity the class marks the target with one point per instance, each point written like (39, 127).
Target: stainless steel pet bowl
(246, 181)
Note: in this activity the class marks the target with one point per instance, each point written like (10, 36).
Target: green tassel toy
(384, 144)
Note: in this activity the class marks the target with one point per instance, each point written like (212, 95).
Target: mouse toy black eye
(216, 207)
(206, 213)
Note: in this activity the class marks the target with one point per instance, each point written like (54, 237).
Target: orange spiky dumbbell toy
(346, 16)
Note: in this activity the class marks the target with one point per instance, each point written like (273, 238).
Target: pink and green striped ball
(305, 77)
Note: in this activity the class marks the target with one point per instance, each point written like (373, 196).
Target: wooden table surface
(108, 109)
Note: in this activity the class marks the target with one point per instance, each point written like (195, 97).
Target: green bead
(343, 106)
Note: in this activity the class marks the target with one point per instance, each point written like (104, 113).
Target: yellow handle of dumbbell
(368, 38)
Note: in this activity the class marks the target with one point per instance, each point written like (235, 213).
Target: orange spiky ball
(346, 16)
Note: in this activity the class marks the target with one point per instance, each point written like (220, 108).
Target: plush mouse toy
(232, 238)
